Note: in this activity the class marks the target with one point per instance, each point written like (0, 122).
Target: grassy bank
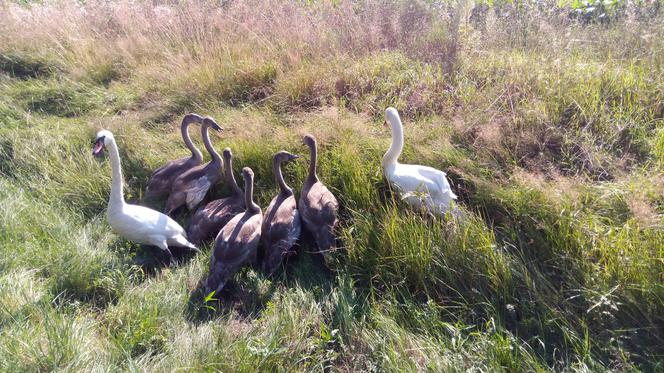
(548, 121)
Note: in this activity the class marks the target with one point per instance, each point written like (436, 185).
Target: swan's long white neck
(392, 154)
(117, 196)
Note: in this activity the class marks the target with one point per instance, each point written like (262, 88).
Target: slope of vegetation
(548, 118)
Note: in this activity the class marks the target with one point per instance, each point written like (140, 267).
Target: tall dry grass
(187, 47)
(297, 55)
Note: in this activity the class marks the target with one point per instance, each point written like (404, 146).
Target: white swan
(137, 223)
(421, 186)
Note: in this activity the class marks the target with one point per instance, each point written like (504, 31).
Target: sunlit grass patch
(50, 338)
(55, 98)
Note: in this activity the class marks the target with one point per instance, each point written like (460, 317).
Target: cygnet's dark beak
(384, 123)
(213, 124)
(293, 157)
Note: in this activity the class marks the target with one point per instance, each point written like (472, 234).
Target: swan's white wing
(440, 178)
(416, 179)
(148, 221)
(411, 180)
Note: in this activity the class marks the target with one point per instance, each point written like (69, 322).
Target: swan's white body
(146, 226)
(137, 223)
(422, 187)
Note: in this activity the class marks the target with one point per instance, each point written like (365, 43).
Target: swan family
(236, 223)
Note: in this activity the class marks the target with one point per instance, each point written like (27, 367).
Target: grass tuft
(24, 65)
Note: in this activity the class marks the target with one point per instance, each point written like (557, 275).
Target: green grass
(551, 131)
(25, 65)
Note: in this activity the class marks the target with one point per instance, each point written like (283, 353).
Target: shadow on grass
(249, 292)
(247, 295)
(150, 259)
(307, 269)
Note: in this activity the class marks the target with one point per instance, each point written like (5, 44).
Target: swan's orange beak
(99, 147)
